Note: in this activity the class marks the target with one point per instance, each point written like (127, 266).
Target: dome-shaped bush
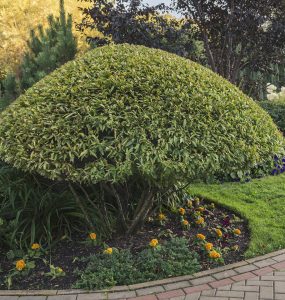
(129, 113)
(124, 110)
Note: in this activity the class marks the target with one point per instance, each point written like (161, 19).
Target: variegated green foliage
(125, 112)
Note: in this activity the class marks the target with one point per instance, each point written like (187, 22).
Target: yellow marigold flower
(208, 246)
(181, 211)
(214, 254)
(161, 217)
(185, 222)
(201, 208)
(200, 220)
(219, 232)
(93, 236)
(108, 251)
(36, 246)
(237, 231)
(153, 243)
(20, 265)
(189, 203)
(200, 236)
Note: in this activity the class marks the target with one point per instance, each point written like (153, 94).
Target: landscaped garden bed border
(176, 286)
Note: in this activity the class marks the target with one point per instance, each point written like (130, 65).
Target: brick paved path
(260, 278)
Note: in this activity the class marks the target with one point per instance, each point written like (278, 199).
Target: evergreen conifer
(48, 49)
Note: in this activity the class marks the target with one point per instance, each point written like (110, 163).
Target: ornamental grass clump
(134, 122)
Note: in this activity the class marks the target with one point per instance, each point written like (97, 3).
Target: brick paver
(260, 278)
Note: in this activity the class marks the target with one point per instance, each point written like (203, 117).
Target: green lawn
(261, 202)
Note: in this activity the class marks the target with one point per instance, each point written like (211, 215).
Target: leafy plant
(276, 110)
(35, 210)
(107, 270)
(55, 272)
(132, 122)
(173, 258)
(122, 267)
(22, 268)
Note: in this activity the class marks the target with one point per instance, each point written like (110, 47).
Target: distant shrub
(273, 94)
(134, 122)
(276, 110)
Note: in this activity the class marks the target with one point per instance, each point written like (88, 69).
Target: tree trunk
(142, 214)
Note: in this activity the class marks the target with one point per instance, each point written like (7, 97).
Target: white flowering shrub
(273, 94)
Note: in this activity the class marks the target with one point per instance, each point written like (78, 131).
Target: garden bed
(163, 226)
(261, 202)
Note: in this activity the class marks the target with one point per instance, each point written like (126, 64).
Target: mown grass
(261, 202)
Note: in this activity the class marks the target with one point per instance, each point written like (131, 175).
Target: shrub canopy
(130, 111)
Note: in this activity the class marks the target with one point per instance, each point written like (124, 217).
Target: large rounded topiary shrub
(135, 121)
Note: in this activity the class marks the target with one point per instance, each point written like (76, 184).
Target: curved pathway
(260, 278)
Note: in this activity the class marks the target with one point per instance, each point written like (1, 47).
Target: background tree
(135, 23)
(239, 36)
(18, 17)
(51, 48)
(48, 49)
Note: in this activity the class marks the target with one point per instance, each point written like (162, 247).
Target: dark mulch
(66, 253)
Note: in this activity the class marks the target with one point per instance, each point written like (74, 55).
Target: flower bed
(177, 241)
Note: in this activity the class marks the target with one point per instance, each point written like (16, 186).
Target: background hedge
(276, 110)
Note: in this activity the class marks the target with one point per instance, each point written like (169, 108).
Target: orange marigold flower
(93, 236)
(200, 220)
(219, 232)
(214, 254)
(200, 236)
(153, 243)
(208, 246)
(185, 222)
(36, 246)
(20, 265)
(181, 211)
(237, 231)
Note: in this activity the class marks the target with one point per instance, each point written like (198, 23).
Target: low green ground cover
(261, 202)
